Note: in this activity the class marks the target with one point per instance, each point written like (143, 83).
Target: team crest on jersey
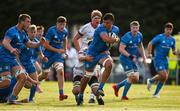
(172, 43)
(130, 42)
(55, 37)
(126, 67)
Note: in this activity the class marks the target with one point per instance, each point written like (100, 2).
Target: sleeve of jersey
(49, 35)
(9, 34)
(155, 40)
(82, 30)
(124, 40)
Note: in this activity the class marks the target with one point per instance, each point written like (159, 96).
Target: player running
(129, 47)
(162, 43)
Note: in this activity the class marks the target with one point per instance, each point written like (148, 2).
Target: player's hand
(42, 41)
(117, 39)
(65, 55)
(15, 52)
(45, 59)
(89, 58)
(149, 56)
(133, 58)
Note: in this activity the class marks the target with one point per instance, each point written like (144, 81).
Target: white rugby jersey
(87, 32)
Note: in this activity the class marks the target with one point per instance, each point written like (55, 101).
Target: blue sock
(32, 92)
(81, 95)
(122, 83)
(61, 92)
(101, 85)
(126, 88)
(151, 81)
(12, 97)
(158, 88)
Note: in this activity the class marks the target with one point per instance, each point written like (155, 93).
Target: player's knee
(133, 77)
(28, 85)
(22, 78)
(108, 65)
(39, 71)
(76, 90)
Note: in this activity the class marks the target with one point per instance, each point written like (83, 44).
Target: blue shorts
(7, 64)
(128, 65)
(160, 64)
(91, 65)
(51, 60)
(29, 67)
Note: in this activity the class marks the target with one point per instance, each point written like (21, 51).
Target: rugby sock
(91, 96)
(151, 81)
(81, 95)
(12, 97)
(158, 87)
(119, 85)
(32, 92)
(61, 92)
(126, 88)
(101, 85)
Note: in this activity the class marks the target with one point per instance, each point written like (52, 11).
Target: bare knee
(76, 90)
(22, 78)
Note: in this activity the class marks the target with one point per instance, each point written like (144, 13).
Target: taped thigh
(58, 65)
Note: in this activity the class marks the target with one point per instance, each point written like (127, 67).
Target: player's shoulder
(12, 29)
(85, 26)
(140, 34)
(65, 30)
(52, 28)
(115, 27)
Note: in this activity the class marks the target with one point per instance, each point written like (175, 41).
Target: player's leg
(89, 67)
(107, 63)
(76, 86)
(133, 77)
(59, 67)
(94, 84)
(39, 71)
(21, 77)
(161, 67)
(5, 81)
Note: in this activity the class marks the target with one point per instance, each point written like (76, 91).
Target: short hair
(109, 16)
(96, 13)
(22, 17)
(61, 19)
(134, 23)
(32, 27)
(169, 25)
(40, 27)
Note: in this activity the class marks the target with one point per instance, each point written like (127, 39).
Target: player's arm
(42, 57)
(35, 44)
(76, 41)
(123, 51)
(142, 52)
(149, 50)
(85, 57)
(105, 37)
(7, 45)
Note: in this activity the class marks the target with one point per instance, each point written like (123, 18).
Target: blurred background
(151, 14)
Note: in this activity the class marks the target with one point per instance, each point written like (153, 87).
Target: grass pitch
(140, 100)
